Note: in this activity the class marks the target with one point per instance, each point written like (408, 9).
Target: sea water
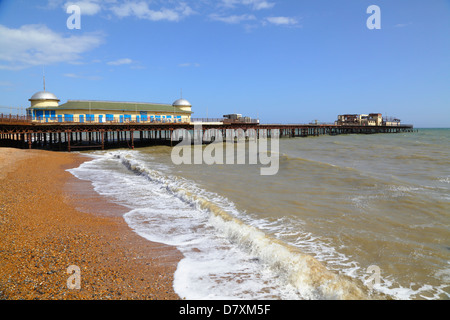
(345, 217)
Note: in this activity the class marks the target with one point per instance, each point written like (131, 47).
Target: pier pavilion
(45, 108)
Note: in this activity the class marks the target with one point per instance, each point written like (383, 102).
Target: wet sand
(49, 220)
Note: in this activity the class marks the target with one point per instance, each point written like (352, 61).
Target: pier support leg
(69, 136)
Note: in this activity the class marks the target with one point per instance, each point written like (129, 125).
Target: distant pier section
(84, 124)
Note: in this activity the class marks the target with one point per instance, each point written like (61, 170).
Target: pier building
(45, 107)
(371, 119)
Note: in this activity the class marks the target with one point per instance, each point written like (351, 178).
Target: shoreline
(50, 220)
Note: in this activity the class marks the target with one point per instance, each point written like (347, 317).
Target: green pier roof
(116, 106)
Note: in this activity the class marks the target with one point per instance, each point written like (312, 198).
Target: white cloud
(142, 11)
(6, 86)
(32, 45)
(185, 10)
(254, 4)
(120, 62)
(71, 75)
(402, 25)
(80, 76)
(234, 19)
(282, 21)
(88, 7)
(188, 64)
(53, 4)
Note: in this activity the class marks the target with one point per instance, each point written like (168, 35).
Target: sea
(345, 217)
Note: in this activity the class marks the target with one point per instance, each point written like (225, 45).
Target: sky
(281, 61)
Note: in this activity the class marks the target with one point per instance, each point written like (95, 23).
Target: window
(39, 114)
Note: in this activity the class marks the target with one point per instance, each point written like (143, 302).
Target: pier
(21, 132)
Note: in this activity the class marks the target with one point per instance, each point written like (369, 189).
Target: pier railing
(14, 119)
(25, 119)
(206, 120)
(224, 120)
(395, 124)
(238, 121)
(95, 120)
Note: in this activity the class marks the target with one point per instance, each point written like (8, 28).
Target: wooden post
(132, 139)
(68, 140)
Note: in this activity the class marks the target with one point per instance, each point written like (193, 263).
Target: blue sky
(288, 61)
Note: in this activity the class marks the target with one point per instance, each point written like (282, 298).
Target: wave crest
(305, 273)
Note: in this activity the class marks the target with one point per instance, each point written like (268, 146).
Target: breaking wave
(308, 277)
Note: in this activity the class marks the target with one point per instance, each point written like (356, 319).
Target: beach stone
(43, 233)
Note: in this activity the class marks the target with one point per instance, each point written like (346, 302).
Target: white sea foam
(227, 254)
(224, 256)
(445, 179)
(161, 211)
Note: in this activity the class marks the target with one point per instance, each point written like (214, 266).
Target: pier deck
(21, 132)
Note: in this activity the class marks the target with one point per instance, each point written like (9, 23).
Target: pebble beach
(49, 221)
